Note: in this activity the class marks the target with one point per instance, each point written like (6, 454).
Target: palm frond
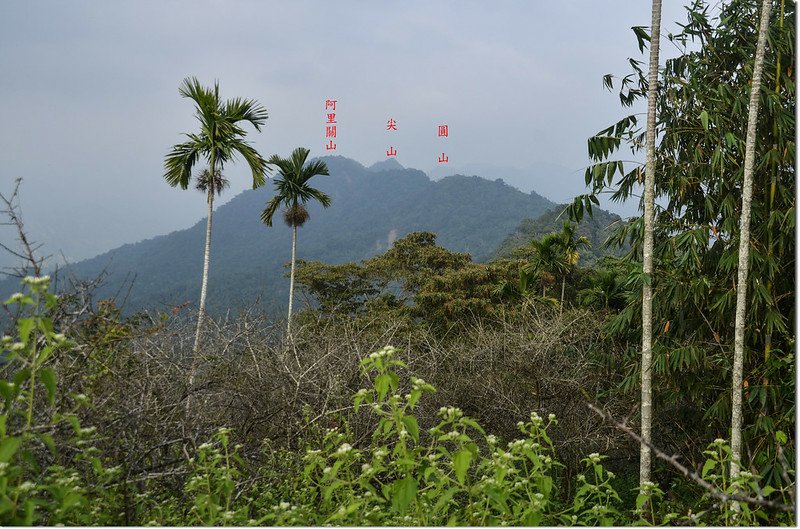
(321, 197)
(298, 158)
(315, 168)
(269, 211)
(238, 109)
(220, 138)
(206, 101)
(258, 165)
(291, 184)
(179, 163)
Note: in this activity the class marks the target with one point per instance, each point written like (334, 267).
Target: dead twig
(691, 474)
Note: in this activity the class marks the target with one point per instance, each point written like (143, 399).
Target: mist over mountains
(371, 208)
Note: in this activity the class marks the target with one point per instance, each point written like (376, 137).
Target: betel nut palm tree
(547, 258)
(293, 191)
(647, 251)
(220, 140)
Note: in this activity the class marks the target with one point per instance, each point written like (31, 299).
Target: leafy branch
(691, 474)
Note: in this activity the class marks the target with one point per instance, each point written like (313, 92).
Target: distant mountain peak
(370, 209)
(388, 164)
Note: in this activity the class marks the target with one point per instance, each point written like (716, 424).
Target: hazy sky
(88, 92)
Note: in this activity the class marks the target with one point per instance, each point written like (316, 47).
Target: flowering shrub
(453, 473)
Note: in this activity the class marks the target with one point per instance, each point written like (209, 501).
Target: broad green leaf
(8, 392)
(8, 447)
(330, 489)
(707, 467)
(48, 377)
(472, 423)
(382, 385)
(780, 436)
(641, 499)
(403, 494)
(21, 376)
(415, 395)
(24, 328)
(767, 490)
(461, 461)
(445, 498)
(411, 425)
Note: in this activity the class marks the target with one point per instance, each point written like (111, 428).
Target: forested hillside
(597, 229)
(468, 354)
(370, 210)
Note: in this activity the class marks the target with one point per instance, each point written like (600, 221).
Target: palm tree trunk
(563, 284)
(201, 311)
(647, 257)
(744, 242)
(291, 279)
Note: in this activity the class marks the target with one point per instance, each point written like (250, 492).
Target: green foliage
(368, 212)
(407, 472)
(221, 137)
(213, 481)
(597, 229)
(456, 474)
(292, 188)
(343, 287)
(415, 259)
(399, 274)
(702, 107)
(33, 489)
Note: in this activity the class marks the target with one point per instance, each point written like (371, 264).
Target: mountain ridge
(370, 209)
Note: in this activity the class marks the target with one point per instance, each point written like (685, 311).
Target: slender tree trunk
(563, 284)
(291, 279)
(744, 241)
(201, 312)
(647, 265)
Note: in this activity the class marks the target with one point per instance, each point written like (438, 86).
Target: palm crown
(292, 187)
(221, 138)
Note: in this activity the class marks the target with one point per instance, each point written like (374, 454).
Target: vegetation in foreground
(327, 425)
(94, 430)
